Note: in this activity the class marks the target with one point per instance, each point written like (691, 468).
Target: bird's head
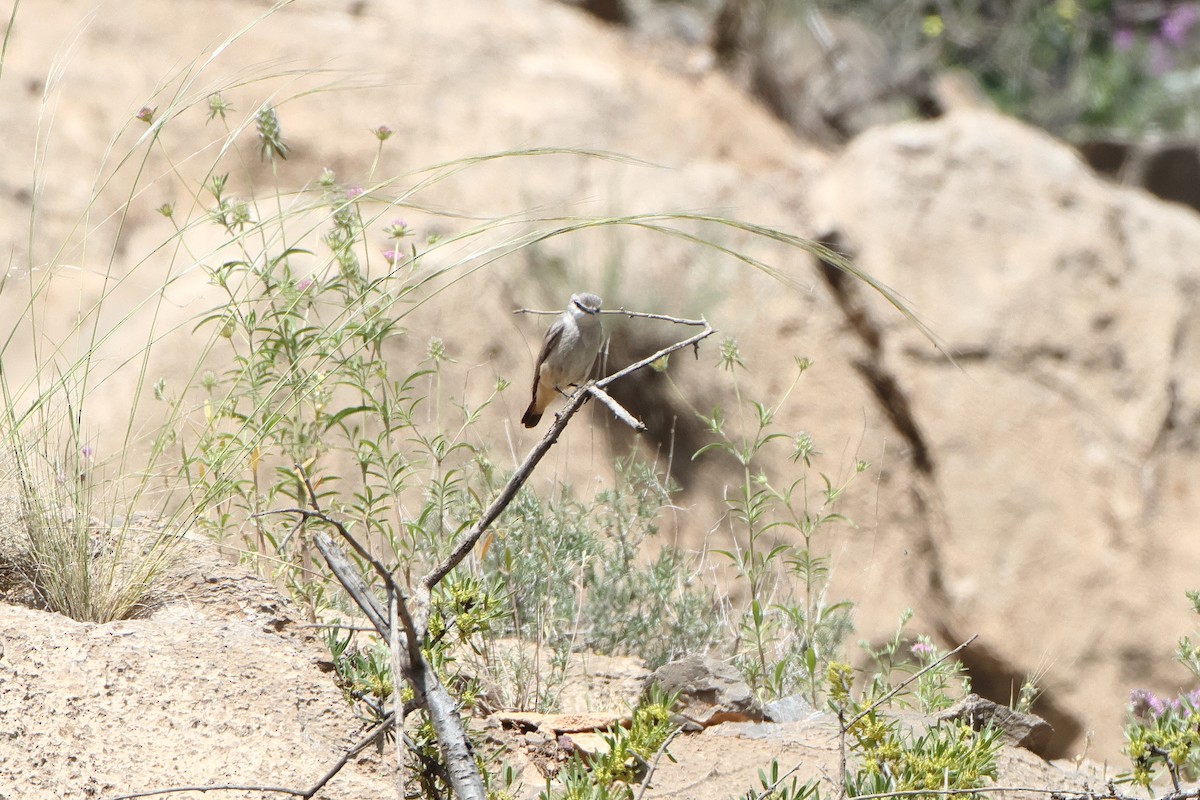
(585, 303)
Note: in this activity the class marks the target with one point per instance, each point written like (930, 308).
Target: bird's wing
(553, 334)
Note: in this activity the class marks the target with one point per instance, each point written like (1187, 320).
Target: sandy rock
(710, 691)
(1019, 729)
(589, 746)
(725, 760)
(792, 708)
(1059, 447)
(199, 693)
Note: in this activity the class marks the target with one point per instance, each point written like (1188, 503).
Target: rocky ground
(223, 684)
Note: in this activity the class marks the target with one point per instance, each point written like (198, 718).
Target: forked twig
(654, 762)
(427, 688)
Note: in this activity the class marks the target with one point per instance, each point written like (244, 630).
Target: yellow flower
(932, 26)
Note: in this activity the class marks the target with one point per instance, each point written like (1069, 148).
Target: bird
(568, 353)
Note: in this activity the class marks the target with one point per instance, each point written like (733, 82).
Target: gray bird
(568, 353)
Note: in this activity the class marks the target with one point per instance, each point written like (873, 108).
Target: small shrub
(1163, 733)
(612, 774)
(789, 629)
(787, 787)
(945, 757)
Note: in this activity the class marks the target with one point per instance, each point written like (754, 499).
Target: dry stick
(413, 635)
(617, 409)
(223, 787)
(467, 541)
(654, 763)
(666, 351)
(624, 312)
(427, 687)
(396, 659)
(357, 748)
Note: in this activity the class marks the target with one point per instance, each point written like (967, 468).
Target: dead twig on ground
(216, 787)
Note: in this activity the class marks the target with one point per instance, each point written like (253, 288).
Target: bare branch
(616, 408)
(621, 312)
(467, 541)
(221, 787)
(428, 690)
(342, 568)
(536, 312)
(648, 360)
(654, 763)
(354, 750)
(348, 575)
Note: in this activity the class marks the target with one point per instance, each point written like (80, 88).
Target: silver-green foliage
(577, 576)
(789, 629)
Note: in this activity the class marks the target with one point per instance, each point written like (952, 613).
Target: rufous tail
(532, 416)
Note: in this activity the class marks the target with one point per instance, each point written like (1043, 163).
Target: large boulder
(1062, 443)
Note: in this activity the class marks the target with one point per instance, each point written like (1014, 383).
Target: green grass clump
(946, 757)
(83, 553)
